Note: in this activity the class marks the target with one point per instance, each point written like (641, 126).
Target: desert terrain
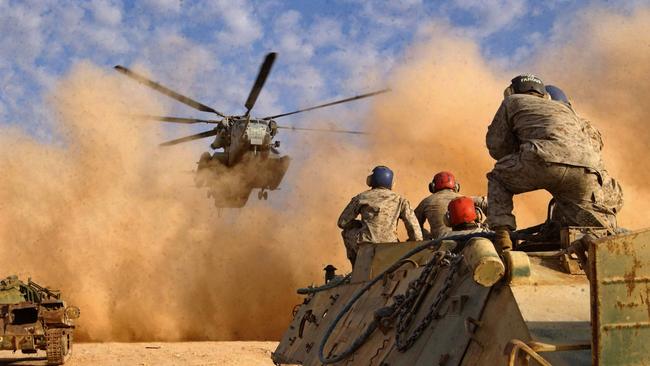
(157, 353)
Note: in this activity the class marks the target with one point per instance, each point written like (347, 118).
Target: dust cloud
(604, 66)
(115, 223)
(445, 95)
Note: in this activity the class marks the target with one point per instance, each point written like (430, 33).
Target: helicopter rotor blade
(178, 119)
(166, 91)
(322, 130)
(190, 138)
(330, 103)
(265, 69)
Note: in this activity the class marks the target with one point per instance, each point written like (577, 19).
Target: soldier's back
(551, 131)
(380, 210)
(434, 208)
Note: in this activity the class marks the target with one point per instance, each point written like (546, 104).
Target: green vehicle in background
(35, 318)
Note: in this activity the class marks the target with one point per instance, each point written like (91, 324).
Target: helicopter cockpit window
(256, 133)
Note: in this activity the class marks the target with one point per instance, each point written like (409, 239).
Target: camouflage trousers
(351, 241)
(582, 197)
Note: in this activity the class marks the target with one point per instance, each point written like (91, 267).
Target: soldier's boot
(502, 240)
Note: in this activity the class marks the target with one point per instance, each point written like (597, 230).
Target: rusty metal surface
(518, 347)
(570, 262)
(308, 324)
(500, 322)
(444, 342)
(439, 314)
(557, 314)
(459, 322)
(620, 288)
(374, 258)
(459, 305)
(550, 271)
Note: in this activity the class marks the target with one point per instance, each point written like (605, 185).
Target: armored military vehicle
(35, 318)
(582, 299)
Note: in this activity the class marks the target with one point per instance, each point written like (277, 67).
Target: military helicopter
(248, 158)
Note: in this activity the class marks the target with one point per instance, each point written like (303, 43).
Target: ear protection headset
(443, 180)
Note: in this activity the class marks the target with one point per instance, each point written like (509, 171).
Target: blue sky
(211, 50)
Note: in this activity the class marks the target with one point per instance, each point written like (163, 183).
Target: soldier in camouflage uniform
(380, 209)
(612, 190)
(542, 144)
(433, 208)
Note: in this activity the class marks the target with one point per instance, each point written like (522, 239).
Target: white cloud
(398, 14)
(106, 12)
(492, 15)
(211, 49)
(240, 26)
(363, 63)
(108, 39)
(164, 6)
(22, 33)
(291, 42)
(325, 32)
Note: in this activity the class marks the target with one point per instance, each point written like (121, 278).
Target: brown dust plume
(445, 95)
(116, 224)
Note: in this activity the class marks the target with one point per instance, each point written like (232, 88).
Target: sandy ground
(157, 354)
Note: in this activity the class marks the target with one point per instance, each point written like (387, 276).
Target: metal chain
(384, 316)
(408, 304)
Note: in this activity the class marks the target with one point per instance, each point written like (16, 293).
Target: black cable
(328, 286)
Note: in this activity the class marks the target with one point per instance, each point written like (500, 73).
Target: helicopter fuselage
(244, 146)
(238, 136)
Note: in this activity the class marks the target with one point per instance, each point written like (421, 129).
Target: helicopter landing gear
(262, 195)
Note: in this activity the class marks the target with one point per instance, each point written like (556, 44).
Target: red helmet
(461, 210)
(443, 180)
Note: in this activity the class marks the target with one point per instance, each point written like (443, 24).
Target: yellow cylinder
(483, 261)
(518, 267)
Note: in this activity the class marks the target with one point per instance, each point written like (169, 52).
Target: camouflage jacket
(595, 137)
(380, 210)
(540, 128)
(434, 207)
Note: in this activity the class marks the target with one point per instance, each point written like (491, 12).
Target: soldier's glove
(502, 240)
